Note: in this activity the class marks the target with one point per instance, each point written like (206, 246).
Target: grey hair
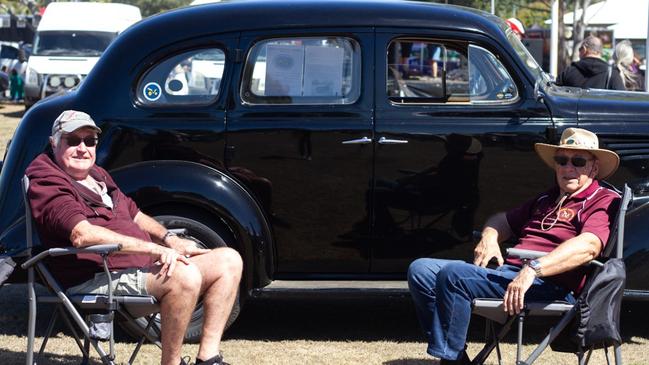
(56, 138)
(592, 44)
(624, 60)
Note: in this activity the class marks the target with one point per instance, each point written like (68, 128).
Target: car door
(455, 128)
(301, 129)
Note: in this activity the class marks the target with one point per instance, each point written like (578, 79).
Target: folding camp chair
(492, 309)
(99, 310)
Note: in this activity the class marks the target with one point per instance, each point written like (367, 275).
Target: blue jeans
(443, 291)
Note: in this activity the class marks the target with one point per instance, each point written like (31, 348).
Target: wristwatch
(536, 266)
(167, 235)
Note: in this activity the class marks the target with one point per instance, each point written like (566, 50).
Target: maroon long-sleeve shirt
(59, 203)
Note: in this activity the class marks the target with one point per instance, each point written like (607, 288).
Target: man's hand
(185, 246)
(485, 250)
(168, 258)
(514, 299)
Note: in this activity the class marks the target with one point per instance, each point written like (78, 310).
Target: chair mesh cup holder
(100, 325)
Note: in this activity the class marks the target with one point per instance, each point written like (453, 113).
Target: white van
(68, 42)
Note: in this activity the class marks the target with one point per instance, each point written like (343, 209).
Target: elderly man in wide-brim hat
(571, 221)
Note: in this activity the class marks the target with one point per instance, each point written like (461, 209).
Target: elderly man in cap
(571, 221)
(76, 203)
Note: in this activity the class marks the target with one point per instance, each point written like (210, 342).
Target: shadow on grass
(321, 318)
(13, 357)
(376, 319)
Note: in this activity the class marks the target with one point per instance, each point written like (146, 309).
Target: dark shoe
(216, 360)
(462, 360)
(185, 360)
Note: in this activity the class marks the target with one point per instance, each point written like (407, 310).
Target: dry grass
(305, 331)
(313, 331)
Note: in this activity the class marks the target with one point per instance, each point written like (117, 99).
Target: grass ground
(296, 331)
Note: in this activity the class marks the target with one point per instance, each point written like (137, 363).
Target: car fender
(158, 183)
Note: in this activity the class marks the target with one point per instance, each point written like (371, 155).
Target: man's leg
(422, 278)
(177, 296)
(221, 273)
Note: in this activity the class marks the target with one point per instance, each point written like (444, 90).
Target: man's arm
(85, 234)
(567, 256)
(495, 231)
(157, 232)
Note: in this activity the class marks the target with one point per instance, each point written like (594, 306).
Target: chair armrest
(96, 249)
(525, 254)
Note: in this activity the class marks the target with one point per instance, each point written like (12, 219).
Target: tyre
(204, 237)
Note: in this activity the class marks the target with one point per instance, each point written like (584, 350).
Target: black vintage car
(332, 142)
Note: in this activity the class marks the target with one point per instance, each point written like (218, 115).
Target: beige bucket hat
(580, 139)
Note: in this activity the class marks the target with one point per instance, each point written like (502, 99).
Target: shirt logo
(566, 214)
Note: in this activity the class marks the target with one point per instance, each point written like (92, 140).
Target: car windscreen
(522, 52)
(72, 43)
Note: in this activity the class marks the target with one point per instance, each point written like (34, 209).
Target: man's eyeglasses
(73, 141)
(576, 161)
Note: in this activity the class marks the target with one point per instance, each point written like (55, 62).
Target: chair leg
(86, 351)
(618, 353)
(481, 357)
(31, 324)
(142, 339)
(519, 340)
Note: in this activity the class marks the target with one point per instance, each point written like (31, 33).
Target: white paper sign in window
(284, 70)
(323, 71)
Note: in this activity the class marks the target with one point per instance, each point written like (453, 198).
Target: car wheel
(204, 237)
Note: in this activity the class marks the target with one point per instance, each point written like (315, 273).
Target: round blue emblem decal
(152, 91)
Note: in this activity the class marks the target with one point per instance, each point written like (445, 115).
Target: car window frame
(444, 41)
(246, 69)
(175, 51)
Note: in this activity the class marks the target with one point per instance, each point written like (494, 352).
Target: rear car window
(304, 70)
(191, 78)
(435, 71)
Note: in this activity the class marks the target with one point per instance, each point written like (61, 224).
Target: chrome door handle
(364, 140)
(384, 140)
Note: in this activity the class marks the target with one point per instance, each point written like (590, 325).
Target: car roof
(251, 15)
(174, 28)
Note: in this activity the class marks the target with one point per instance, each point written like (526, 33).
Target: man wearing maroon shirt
(571, 221)
(76, 203)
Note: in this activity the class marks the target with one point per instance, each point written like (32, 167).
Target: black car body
(293, 130)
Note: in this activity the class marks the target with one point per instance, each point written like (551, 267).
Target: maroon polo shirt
(59, 203)
(592, 211)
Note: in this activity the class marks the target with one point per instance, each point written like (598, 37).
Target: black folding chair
(499, 323)
(93, 314)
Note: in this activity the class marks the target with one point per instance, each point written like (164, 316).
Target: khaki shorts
(125, 282)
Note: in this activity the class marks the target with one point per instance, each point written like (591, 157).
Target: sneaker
(462, 360)
(216, 360)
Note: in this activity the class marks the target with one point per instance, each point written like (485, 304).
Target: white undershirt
(99, 188)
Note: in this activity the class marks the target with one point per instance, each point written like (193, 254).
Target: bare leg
(177, 295)
(221, 272)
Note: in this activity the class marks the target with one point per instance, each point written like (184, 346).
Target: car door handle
(384, 140)
(364, 140)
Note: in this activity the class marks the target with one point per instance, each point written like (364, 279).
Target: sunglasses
(73, 141)
(576, 161)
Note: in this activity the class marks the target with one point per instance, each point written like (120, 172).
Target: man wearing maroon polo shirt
(76, 203)
(571, 221)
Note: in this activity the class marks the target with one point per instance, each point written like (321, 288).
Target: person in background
(516, 26)
(624, 62)
(591, 71)
(16, 87)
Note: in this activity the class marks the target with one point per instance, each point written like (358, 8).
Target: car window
(421, 71)
(193, 77)
(306, 70)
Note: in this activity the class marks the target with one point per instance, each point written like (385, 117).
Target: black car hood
(597, 105)
(608, 105)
